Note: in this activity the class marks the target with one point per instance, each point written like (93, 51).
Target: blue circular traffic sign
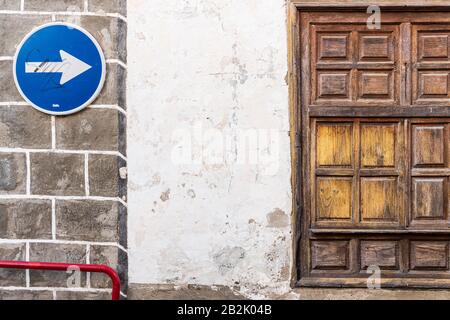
(59, 68)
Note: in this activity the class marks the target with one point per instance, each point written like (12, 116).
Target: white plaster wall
(201, 70)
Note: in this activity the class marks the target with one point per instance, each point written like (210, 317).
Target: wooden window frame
(294, 8)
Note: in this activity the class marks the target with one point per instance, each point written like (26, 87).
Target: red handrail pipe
(64, 267)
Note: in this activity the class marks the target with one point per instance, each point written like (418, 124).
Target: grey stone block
(11, 277)
(104, 179)
(13, 171)
(24, 127)
(82, 295)
(111, 6)
(9, 4)
(91, 129)
(57, 174)
(25, 219)
(87, 220)
(13, 28)
(8, 91)
(54, 5)
(110, 33)
(25, 295)
(50, 252)
(112, 257)
(114, 91)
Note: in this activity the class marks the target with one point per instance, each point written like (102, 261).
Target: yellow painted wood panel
(334, 144)
(378, 199)
(378, 145)
(334, 198)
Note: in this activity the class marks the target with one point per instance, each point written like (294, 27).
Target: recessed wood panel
(429, 199)
(430, 70)
(428, 145)
(433, 85)
(375, 85)
(376, 46)
(333, 85)
(379, 198)
(330, 255)
(345, 69)
(333, 46)
(378, 145)
(334, 144)
(433, 46)
(429, 255)
(334, 198)
(383, 254)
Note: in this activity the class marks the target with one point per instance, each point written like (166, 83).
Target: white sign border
(102, 57)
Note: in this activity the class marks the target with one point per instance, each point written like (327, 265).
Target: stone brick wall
(62, 198)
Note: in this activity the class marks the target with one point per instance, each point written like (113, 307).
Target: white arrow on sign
(70, 67)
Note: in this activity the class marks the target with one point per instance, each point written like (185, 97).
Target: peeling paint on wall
(165, 196)
(277, 219)
(228, 258)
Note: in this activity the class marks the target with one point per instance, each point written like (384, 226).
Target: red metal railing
(64, 267)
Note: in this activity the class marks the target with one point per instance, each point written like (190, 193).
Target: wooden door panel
(384, 254)
(358, 173)
(379, 200)
(334, 198)
(353, 66)
(431, 64)
(334, 85)
(376, 46)
(432, 46)
(334, 47)
(432, 85)
(396, 257)
(429, 255)
(429, 200)
(430, 174)
(375, 109)
(375, 85)
(429, 144)
(378, 145)
(335, 145)
(330, 255)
